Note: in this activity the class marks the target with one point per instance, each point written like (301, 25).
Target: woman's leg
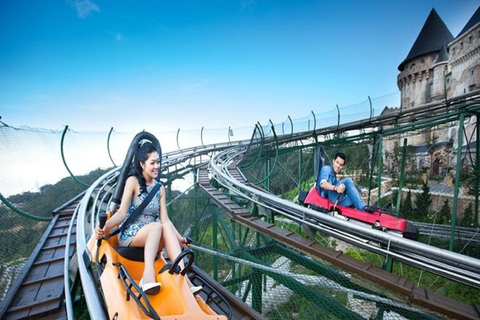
(149, 238)
(172, 246)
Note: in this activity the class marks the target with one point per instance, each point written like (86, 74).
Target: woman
(152, 229)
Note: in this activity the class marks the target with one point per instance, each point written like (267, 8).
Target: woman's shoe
(150, 288)
(196, 289)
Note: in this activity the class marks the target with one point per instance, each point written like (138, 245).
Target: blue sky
(133, 65)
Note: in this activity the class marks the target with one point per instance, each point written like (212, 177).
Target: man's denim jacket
(326, 174)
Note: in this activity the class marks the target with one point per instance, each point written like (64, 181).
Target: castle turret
(422, 66)
(439, 67)
(440, 74)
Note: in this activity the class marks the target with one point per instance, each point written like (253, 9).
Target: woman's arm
(131, 189)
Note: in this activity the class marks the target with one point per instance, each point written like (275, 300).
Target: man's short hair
(341, 155)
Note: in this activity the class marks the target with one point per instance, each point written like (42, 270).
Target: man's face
(338, 164)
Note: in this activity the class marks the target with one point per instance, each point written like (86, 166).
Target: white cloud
(83, 7)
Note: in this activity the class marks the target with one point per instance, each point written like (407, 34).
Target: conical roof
(443, 55)
(431, 38)
(473, 21)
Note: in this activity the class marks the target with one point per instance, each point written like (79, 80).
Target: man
(330, 188)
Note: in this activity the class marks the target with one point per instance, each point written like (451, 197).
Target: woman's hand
(184, 243)
(99, 233)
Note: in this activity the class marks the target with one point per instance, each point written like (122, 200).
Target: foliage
(444, 214)
(468, 219)
(49, 197)
(298, 307)
(394, 160)
(471, 177)
(406, 206)
(358, 157)
(292, 194)
(282, 174)
(80, 308)
(422, 203)
(25, 233)
(443, 286)
(472, 250)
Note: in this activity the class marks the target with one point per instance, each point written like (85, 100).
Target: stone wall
(465, 62)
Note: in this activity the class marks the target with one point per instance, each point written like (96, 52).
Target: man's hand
(340, 188)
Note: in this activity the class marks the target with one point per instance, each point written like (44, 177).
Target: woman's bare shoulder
(132, 180)
(132, 183)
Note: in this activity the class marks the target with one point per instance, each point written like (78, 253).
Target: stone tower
(464, 58)
(438, 67)
(423, 72)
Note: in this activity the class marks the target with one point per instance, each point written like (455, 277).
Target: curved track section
(442, 262)
(98, 198)
(38, 292)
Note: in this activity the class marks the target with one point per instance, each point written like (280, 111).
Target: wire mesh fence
(429, 174)
(281, 282)
(410, 170)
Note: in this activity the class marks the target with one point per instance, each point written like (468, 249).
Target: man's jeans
(351, 195)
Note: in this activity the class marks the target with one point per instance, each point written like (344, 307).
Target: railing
(464, 234)
(438, 261)
(96, 199)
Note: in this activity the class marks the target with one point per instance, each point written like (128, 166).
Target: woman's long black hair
(143, 152)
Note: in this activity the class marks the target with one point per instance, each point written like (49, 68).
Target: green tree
(15, 241)
(445, 213)
(467, 220)
(406, 206)
(422, 203)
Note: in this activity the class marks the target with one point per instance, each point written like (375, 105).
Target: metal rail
(94, 201)
(410, 119)
(442, 262)
(444, 231)
(400, 284)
